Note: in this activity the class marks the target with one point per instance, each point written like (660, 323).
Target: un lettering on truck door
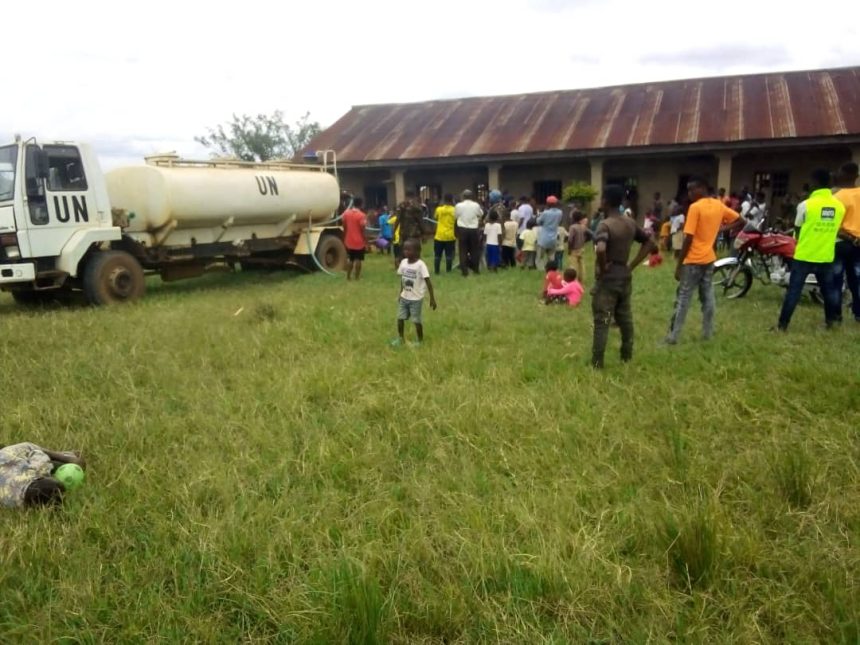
(70, 208)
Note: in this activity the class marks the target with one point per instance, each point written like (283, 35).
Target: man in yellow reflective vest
(819, 218)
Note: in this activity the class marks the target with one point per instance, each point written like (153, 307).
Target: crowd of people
(506, 233)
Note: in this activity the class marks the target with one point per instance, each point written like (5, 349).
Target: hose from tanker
(334, 221)
(328, 223)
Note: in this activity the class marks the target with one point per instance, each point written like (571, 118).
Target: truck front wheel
(111, 277)
(331, 253)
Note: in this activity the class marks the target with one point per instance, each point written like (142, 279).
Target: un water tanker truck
(66, 226)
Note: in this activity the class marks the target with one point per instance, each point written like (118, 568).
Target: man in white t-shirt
(414, 284)
(526, 213)
(469, 214)
(755, 211)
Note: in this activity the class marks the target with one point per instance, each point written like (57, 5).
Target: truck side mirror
(42, 167)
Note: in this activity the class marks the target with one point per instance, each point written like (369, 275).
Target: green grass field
(281, 475)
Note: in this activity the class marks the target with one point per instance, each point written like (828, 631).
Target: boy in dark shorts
(414, 282)
(26, 475)
(610, 298)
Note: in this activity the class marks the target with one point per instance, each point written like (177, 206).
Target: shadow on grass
(221, 281)
(156, 289)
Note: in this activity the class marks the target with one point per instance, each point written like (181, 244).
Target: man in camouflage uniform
(410, 219)
(26, 475)
(610, 297)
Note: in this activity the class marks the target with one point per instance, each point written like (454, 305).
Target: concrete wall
(519, 179)
(452, 180)
(659, 174)
(355, 181)
(797, 164)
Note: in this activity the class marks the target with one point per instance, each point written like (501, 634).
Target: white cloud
(137, 78)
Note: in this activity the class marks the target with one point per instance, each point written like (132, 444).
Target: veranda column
(494, 179)
(596, 182)
(399, 177)
(724, 174)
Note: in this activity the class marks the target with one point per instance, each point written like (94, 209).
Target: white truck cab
(54, 209)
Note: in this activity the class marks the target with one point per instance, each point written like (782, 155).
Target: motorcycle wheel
(732, 286)
(818, 298)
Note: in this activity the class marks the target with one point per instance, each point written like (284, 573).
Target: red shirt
(354, 222)
(552, 280)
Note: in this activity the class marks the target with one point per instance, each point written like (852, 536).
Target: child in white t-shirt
(492, 237)
(414, 283)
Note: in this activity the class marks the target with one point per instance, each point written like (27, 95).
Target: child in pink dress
(571, 288)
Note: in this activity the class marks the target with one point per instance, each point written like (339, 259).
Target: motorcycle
(764, 255)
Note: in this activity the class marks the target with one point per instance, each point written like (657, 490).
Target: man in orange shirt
(847, 262)
(705, 218)
(354, 225)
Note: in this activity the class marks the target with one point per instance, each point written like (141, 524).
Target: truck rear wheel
(331, 253)
(111, 277)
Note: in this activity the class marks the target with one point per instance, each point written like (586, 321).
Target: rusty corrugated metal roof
(820, 103)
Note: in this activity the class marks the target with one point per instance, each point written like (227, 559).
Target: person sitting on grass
(571, 289)
(414, 283)
(551, 280)
(26, 475)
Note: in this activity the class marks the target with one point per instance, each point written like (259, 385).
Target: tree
(260, 138)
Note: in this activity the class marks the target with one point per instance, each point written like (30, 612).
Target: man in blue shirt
(548, 221)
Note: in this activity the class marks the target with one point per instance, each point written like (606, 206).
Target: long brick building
(763, 131)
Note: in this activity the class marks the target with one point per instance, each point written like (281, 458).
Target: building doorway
(375, 196)
(631, 190)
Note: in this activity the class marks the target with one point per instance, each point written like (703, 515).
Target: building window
(543, 189)
(429, 193)
(779, 184)
(375, 196)
(761, 182)
(482, 193)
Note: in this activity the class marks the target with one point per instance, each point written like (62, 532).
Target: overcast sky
(144, 77)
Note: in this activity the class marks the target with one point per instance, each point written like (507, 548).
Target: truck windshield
(8, 162)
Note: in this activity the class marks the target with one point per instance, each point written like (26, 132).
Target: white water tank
(200, 195)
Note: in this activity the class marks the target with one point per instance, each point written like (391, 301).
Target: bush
(580, 193)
